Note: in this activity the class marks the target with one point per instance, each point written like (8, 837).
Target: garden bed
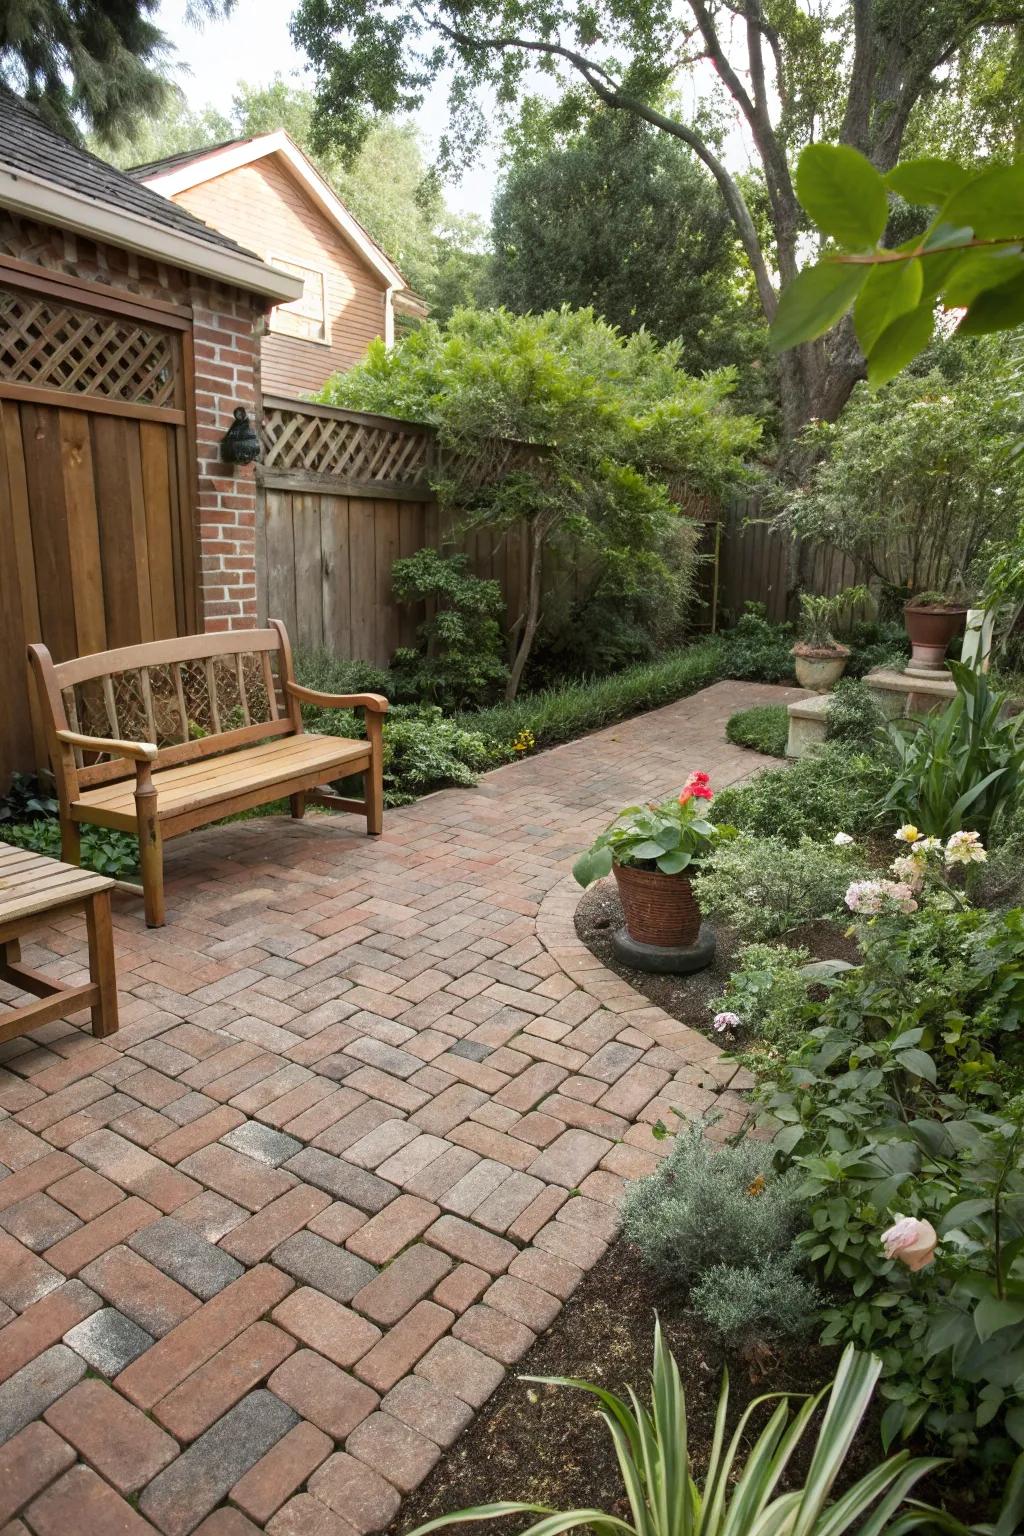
(691, 999)
(547, 1445)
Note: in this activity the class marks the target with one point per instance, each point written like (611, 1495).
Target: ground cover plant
(763, 728)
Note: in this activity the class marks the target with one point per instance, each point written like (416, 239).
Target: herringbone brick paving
(365, 1124)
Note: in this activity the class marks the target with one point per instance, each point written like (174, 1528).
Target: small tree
(615, 419)
(458, 660)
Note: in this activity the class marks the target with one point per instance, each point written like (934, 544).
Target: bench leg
(101, 964)
(373, 778)
(151, 862)
(298, 805)
(71, 842)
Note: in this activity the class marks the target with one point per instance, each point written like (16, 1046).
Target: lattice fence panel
(353, 450)
(59, 346)
(372, 453)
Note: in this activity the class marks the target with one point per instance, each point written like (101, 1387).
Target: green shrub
(26, 800)
(423, 751)
(853, 716)
(763, 887)
(706, 1206)
(757, 651)
(103, 850)
(764, 728)
(459, 656)
(832, 790)
(562, 714)
(877, 644)
(758, 1303)
(768, 994)
(328, 673)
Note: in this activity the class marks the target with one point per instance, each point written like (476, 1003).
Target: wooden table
(33, 891)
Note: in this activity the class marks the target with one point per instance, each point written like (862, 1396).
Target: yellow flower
(908, 833)
(758, 1186)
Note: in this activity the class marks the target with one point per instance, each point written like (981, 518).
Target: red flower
(699, 778)
(701, 792)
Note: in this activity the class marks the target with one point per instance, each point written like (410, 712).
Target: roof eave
(34, 197)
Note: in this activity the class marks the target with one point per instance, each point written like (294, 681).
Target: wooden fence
(343, 494)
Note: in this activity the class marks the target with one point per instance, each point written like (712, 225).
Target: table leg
(101, 963)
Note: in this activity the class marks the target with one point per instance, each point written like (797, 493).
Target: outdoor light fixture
(240, 445)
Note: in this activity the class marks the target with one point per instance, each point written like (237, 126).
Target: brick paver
(366, 1123)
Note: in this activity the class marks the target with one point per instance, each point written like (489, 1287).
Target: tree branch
(603, 84)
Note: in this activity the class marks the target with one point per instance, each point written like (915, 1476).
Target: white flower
(965, 848)
(908, 833)
(910, 869)
(928, 845)
(841, 839)
(869, 897)
(912, 1241)
(723, 1021)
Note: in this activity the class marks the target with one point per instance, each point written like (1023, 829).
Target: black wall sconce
(240, 445)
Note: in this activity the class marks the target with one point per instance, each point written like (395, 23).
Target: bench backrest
(193, 696)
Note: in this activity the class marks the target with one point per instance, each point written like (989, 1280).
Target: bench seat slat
(213, 779)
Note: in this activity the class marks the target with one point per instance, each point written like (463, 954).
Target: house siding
(226, 326)
(262, 207)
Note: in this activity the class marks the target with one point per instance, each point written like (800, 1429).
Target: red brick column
(226, 343)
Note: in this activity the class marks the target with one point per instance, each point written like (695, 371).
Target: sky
(254, 44)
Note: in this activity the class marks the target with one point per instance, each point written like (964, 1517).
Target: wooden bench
(35, 890)
(158, 739)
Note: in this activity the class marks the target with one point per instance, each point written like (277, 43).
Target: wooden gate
(96, 480)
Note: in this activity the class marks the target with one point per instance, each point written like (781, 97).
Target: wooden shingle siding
(262, 207)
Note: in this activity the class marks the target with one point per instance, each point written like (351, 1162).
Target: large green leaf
(892, 289)
(997, 309)
(978, 270)
(992, 1313)
(843, 193)
(928, 181)
(899, 343)
(814, 301)
(992, 205)
(592, 865)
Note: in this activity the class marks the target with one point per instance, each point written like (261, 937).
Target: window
(305, 317)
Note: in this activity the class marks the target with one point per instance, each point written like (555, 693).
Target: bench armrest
(372, 701)
(140, 751)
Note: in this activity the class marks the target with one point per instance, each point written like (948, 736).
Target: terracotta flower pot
(659, 909)
(930, 628)
(819, 668)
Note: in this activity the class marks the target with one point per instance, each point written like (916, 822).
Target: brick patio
(365, 1125)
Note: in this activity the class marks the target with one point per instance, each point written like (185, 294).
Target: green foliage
(423, 750)
(764, 728)
(665, 1499)
(618, 419)
(968, 256)
(917, 481)
(458, 660)
(608, 212)
(556, 715)
(758, 651)
(831, 790)
(708, 1205)
(763, 886)
(962, 766)
(327, 673)
(768, 994)
(89, 63)
(103, 850)
(821, 613)
(26, 800)
(176, 129)
(901, 1101)
(876, 644)
(671, 837)
(854, 716)
(757, 1304)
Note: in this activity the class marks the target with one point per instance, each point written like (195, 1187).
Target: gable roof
(44, 176)
(177, 173)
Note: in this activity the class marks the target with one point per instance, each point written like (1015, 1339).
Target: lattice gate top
(53, 345)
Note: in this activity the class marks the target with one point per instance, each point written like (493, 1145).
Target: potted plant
(819, 659)
(932, 620)
(652, 850)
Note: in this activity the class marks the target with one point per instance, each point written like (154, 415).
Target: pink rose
(912, 1241)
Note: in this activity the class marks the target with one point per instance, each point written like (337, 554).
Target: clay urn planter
(932, 621)
(819, 667)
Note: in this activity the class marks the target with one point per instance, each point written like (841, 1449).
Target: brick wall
(227, 325)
